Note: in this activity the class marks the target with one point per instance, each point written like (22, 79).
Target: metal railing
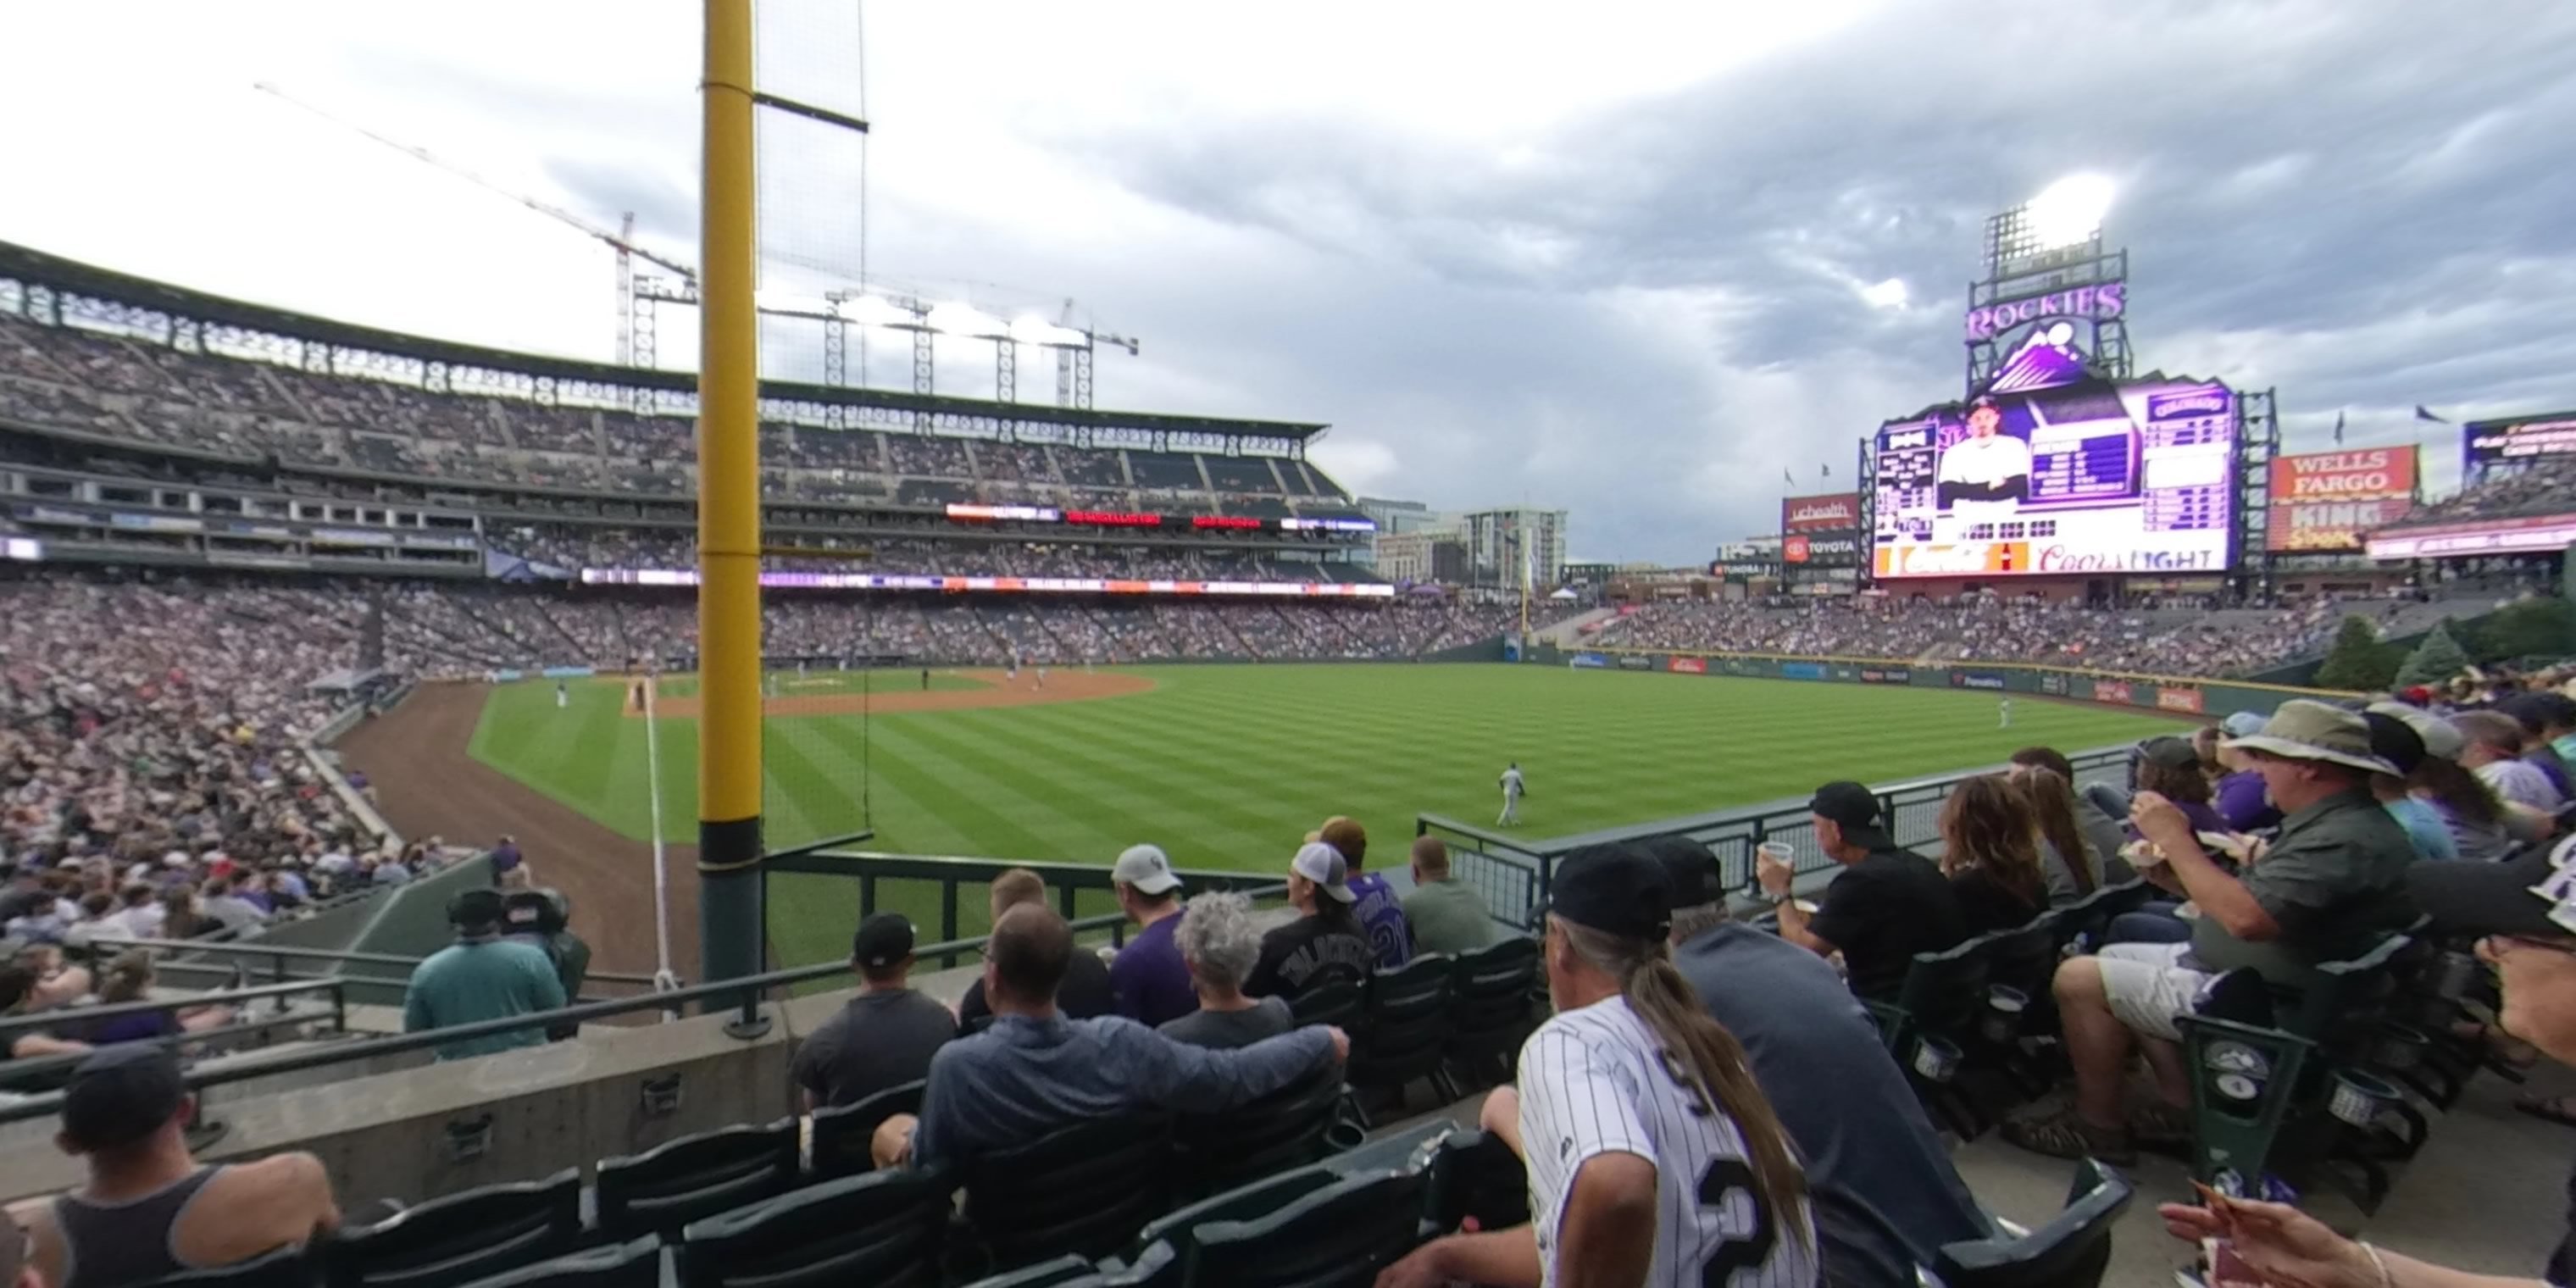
(1512, 873)
(96, 952)
(959, 877)
(744, 996)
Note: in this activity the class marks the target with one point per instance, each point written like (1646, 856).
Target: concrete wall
(387, 1135)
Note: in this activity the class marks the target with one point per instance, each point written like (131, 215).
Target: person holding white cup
(1886, 905)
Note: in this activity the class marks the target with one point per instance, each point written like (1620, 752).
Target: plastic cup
(1778, 851)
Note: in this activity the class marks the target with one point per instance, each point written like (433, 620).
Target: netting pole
(662, 976)
(729, 702)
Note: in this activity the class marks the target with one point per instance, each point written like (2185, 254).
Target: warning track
(1000, 691)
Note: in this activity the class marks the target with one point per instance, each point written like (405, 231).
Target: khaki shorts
(2149, 988)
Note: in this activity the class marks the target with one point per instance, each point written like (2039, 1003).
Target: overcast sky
(1631, 260)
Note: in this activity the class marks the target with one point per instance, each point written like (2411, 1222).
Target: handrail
(37, 1065)
(744, 993)
(13, 1025)
(90, 950)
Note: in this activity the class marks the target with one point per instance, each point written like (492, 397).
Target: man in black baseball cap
(886, 1035)
(149, 1209)
(1623, 1094)
(1885, 1195)
(1885, 906)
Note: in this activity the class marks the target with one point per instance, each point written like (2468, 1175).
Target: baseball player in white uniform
(2005, 707)
(1654, 1161)
(1513, 789)
(1987, 474)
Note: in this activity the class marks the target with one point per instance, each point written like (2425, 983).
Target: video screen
(2088, 477)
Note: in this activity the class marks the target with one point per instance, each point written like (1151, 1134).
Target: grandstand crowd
(1992, 628)
(138, 389)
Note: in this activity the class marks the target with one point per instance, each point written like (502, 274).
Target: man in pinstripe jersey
(1653, 1160)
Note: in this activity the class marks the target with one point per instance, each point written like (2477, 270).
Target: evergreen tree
(2435, 660)
(2357, 661)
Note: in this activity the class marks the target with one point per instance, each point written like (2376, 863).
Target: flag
(1826, 470)
(2421, 414)
(2338, 429)
(1786, 478)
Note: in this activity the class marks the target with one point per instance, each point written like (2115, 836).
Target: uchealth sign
(1688, 665)
(1833, 512)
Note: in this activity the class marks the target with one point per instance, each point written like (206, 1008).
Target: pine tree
(2357, 661)
(2435, 660)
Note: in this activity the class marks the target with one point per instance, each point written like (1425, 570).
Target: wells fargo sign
(2332, 500)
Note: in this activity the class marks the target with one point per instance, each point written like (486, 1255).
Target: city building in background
(1437, 555)
(1396, 518)
(1515, 549)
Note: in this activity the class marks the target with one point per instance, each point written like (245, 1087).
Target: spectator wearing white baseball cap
(1148, 979)
(1325, 941)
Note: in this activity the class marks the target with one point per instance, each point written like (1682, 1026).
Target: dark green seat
(1340, 1235)
(1084, 1190)
(460, 1238)
(665, 1188)
(2259, 1095)
(1062, 1272)
(1157, 1256)
(1404, 1027)
(1336, 1001)
(634, 1264)
(841, 1135)
(2092, 914)
(885, 1229)
(2072, 1251)
(1288, 1128)
(284, 1268)
(1490, 1008)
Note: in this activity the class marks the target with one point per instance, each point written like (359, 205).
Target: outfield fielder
(2007, 714)
(563, 696)
(1513, 790)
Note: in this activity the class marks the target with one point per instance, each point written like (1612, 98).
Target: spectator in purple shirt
(505, 856)
(1380, 913)
(2240, 799)
(1148, 979)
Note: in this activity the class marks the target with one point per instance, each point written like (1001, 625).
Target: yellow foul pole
(729, 770)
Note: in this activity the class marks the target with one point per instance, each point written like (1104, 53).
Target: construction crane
(639, 293)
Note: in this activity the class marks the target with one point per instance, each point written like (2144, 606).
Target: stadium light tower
(2069, 212)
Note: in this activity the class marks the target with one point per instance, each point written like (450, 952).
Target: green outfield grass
(1228, 766)
(819, 683)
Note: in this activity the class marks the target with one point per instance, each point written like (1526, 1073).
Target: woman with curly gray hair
(1220, 944)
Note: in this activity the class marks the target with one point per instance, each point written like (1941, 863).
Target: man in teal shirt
(481, 977)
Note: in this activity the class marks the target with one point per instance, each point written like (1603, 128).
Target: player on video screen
(1986, 474)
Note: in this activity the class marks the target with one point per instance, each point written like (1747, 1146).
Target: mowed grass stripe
(1227, 765)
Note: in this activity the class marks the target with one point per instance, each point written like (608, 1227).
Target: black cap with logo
(1618, 889)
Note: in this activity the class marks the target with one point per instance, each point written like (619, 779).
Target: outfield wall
(2171, 695)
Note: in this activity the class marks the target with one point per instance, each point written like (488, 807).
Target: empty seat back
(841, 1134)
(1404, 1024)
(2071, 1251)
(1178, 1230)
(461, 1238)
(665, 1188)
(1342, 1234)
(1281, 1130)
(1062, 1272)
(1336, 1001)
(634, 1264)
(884, 1229)
(1083, 1190)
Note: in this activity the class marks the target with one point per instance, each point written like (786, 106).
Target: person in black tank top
(116, 1245)
(150, 1209)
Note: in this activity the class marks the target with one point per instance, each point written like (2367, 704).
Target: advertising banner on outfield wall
(1636, 663)
(1688, 665)
(2052, 684)
(2179, 700)
(1802, 670)
(1976, 680)
(1595, 660)
(2112, 691)
(2331, 500)
(1886, 675)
